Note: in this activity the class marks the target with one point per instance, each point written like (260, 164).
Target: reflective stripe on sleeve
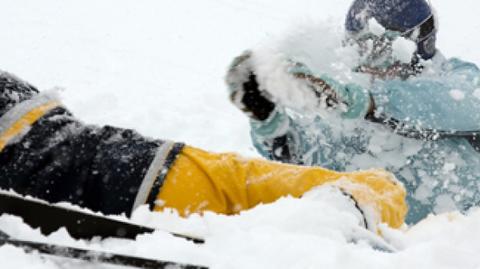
(17, 120)
(152, 174)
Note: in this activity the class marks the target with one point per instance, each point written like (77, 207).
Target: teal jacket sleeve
(284, 138)
(288, 138)
(448, 99)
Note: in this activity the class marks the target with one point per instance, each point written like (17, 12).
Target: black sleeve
(61, 159)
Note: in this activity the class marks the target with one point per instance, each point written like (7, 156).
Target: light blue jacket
(441, 175)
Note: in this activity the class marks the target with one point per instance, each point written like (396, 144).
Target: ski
(80, 225)
(92, 255)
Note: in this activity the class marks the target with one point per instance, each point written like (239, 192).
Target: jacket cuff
(156, 174)
(275, 125)
(358, 100)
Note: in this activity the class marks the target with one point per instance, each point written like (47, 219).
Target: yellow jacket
(227, 183)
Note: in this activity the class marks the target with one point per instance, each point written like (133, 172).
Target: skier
(47, 153)
(417, 118)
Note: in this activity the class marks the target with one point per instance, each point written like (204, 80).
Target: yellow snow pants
(227, 183)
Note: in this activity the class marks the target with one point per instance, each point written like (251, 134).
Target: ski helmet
(413, 19)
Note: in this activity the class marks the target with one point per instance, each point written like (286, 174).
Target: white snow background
(158, 67)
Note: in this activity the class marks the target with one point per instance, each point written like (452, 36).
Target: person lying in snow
(419, 119)
(47, 153)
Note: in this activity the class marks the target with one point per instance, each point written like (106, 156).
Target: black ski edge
(96, 256)
(80, 225)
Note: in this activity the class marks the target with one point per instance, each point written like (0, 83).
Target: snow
(158, 67)
(476, 93)
(375, 28)
(457, 95)
(403, 49)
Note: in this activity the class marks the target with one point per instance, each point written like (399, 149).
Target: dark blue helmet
(412, 18)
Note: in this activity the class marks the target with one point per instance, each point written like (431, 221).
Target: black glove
(244, 89)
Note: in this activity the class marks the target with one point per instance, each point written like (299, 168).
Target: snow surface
(158, 67)
(457, 94)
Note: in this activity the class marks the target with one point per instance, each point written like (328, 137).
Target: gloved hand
(245, 92)
(355, 101)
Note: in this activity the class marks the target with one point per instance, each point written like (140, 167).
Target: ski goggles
(424, 35)
(423, 30)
